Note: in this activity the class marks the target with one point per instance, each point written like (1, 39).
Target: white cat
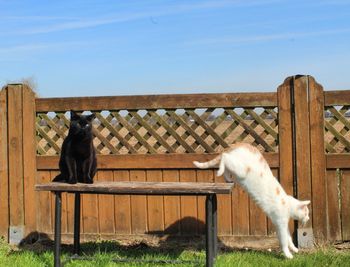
(251, 171)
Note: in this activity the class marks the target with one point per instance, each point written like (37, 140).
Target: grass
(104, 252)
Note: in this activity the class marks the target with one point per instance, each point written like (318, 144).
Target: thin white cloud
(264, 38)
(157, 11)
(27, 48)
(36, 18)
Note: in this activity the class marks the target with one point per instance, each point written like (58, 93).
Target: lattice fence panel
(205, 130)
(337, 129)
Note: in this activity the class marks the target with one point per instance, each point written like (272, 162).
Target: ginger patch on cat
(277, 191)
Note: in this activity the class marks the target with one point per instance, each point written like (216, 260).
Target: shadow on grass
(186, 234)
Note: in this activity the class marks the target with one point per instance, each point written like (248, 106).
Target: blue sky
(84, 48)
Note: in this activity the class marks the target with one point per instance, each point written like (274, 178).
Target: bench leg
(215, 227)
(209, 237)
(58, 212)
(76, 246)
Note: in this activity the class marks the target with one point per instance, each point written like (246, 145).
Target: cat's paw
(288, 255)
(72, 181)
(294, 249)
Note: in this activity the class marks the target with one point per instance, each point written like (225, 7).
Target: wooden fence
(302, 130)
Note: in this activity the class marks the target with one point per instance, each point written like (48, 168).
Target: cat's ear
(73, 116)
(91, 117)
(304, 203)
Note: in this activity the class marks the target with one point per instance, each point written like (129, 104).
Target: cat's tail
(211, 163)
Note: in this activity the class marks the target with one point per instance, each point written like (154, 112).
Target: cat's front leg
(283, 236)
(87, 164)
(72, 170)
(228, 177)
(291, 245)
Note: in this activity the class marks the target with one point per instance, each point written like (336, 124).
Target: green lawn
(104, 252)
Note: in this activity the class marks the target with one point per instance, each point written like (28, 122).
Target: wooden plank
(138, 186)
(106, 206)
(188, 206)
(257, 219)
(285, 137)
(70, 213)
(240, 211)
(302, 139)
(318, 159)
(285, 133)
(204, 176)
(157, 101)
(90, 212)
(138, 206)
(122, 206)
(271, 229)
(333, 206)
(171, 205)
(147, 161)
(337, 98)
(338, 161)
(345, 204)
(29, 168)
(15, 149)
(4, 179)
(155, 205)
(44, 212)
(224, 211)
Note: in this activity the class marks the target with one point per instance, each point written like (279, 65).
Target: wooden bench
(210, 190)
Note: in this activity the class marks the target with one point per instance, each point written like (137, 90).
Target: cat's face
(81, 124)
(302, 211)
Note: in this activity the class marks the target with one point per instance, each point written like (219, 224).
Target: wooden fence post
(21, 161)
(286, 140)
(318, 159)
(29, 159)
(4, 198)
(307, 130)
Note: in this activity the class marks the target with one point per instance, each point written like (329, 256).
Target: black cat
(78, 157)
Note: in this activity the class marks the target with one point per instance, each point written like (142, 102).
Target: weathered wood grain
(29, 168)
(318, 159)
(140, 188)
(171, 204)
(15, 155)
(337, 97)
(122, 205)
(333, 205)
(4, 178)
(155, 204)
(302, 139)
(106, 205)
(138, 203)
(157, 101)
(147, 161)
